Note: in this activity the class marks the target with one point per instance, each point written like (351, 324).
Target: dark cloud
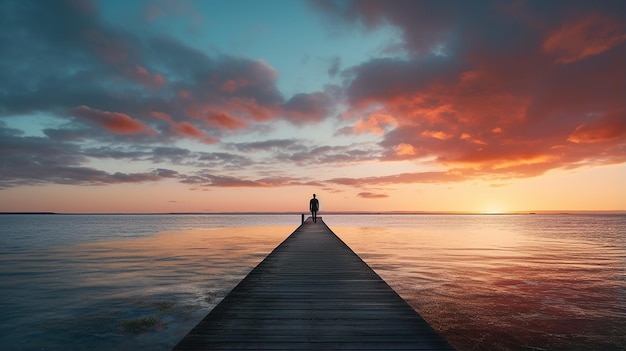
(106, 152)
(345, 155)
(494, 89)
(305, 108)
(268, 145)
(170, 154)
(60, 58)
(388, 78)
(29, 160)
(208, 179)
(334, 66)
(126, 96)
(223, 160)
(293, 151)
(403, 178)
(486, 89)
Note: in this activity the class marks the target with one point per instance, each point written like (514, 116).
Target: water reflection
(142, 293)
(499, 289)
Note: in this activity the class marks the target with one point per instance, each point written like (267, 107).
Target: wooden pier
(313, 293)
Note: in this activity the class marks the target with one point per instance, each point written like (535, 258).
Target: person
(314, 206)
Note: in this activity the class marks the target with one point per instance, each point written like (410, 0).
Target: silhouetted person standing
(314, 206)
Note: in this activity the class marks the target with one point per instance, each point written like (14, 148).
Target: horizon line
(529, 212)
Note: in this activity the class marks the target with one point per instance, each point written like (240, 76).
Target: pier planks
(312, 292)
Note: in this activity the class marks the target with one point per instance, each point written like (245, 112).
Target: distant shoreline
(28, 213)
(576, 212)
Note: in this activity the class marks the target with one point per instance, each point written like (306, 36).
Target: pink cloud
(225, 121)
(187, 129)
(162, 116)
(141, 75)
(113, 121)
(230, 113)
(587, 36)
(184, 128)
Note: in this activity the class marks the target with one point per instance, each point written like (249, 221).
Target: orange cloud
(406, 178)
(222, 114)
(376, 123)
(404, 149)
(225, 121)
(468, 137)
(497, 114)
(611, 127)
(188, 129)
(441, 135)
(112, 121)
(184, 128)
(587, 36)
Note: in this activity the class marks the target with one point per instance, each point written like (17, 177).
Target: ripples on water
(143, 289)
(142, 282)
(507, 282)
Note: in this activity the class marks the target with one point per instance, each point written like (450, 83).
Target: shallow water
(142, 282)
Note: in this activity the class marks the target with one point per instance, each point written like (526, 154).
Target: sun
(493, 212)
(492, 209)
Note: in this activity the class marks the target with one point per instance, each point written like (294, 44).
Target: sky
(253, 106)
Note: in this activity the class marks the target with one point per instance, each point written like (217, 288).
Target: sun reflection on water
(497, 288)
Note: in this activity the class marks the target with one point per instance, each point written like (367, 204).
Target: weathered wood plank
(312, 292)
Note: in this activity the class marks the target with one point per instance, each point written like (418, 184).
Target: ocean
(485, 282)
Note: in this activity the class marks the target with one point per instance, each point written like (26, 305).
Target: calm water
(108, 282)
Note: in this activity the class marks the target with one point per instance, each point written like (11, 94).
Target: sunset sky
(229, 106)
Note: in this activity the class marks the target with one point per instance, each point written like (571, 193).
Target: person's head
(314, 196)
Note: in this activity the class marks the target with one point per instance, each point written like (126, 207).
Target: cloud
(268, 145)
(208, 179)
(223, 160)
(491, 90)
(478, 89)
(169, 154)
(184, 128)
(369, 195)
(29, 160)
(141, 75)
(112, 121)
(404, 178)
(298, 152)
(590, 35)
(303, 108)
(376, 123)
(68, 57)
(606, 129)
(225, 121)
(334, 66)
